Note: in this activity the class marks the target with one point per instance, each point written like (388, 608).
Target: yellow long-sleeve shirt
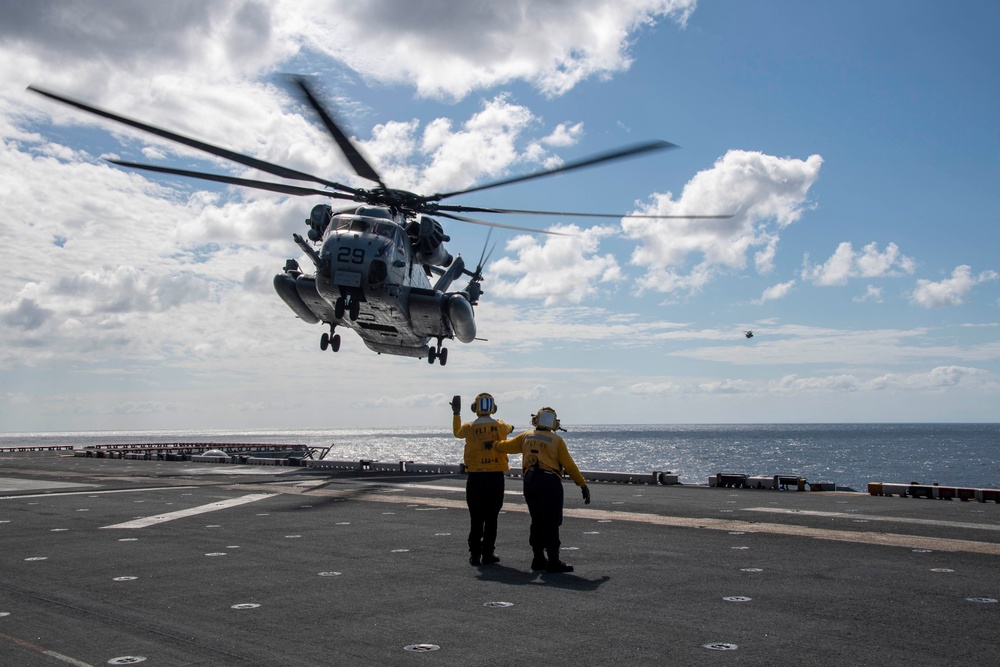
(545, 448)
(478, 457)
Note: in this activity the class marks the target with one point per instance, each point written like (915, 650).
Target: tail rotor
(474, 288)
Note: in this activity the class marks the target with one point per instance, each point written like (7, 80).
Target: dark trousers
(543, 491)
(484, 495)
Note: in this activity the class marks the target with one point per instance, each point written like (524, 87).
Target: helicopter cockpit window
(387, 230)
(351, 224)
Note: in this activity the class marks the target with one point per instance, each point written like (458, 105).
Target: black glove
(456, 405)
(586, 495)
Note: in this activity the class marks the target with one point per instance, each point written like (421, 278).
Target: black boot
(556, 565)
(490, 558)
(539, 562)
(474, 558)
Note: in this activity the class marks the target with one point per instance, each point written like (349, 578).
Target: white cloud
(447, 159)
(126, 289)
(872, 293)
(558, 269)
(766, 193)
(443, 49)
(573, 327)
(947, 376)
(533, 393)
(564, 135)
(225, 37)
(111, 267)
(654, 388)
(950, 291)
(845, 263)
(447, 49)
(24, 313)
(778, 291)
(940, 377)
(764, 259)
(406, 401)
(195, 71)
(153, 153)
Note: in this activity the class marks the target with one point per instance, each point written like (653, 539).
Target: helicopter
(748, 333)
(380, 266)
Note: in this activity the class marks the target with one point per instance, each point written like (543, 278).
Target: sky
(856, 144)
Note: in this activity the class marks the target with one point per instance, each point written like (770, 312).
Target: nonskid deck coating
(353, 569)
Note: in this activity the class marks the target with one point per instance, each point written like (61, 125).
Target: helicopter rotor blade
(347, 147)
(239, 158)
(232, 180)
(477, 209)
(637, 149)
(500, 226)
(483, 256)
(484, 260)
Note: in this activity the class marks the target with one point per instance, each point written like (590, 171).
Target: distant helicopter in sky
(748, 333)
(380, 266)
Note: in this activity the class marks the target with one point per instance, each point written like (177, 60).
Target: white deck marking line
(430, 487)
(95, 492)
(459, 489)
(38, 649)
(859, 537)
(193, 511)
(65, 658)
(874, 517)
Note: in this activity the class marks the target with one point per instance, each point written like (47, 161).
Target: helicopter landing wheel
(338, 308)
(324, 341)
(354, 309)
(335, 343)
(439, 354)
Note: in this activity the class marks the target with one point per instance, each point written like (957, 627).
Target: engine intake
(318, 221)
(428, 238)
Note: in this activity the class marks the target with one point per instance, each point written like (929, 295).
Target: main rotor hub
(408, 202)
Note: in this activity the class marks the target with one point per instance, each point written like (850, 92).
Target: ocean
(849, 455)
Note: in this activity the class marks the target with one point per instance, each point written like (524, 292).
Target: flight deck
(114, 561)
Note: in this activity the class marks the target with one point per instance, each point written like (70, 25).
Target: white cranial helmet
(546, 419)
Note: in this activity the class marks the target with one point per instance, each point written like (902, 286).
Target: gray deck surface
(351, 569)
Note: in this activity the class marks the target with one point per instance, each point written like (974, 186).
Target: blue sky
(857, 144)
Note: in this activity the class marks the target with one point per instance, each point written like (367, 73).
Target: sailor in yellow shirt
(485, 467)
(544, 456)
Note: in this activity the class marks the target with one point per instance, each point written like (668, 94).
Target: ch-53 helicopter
(374, 261)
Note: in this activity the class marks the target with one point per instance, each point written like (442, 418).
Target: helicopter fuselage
(369, 278)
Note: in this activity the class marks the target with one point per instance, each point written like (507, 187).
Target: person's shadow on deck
(503, 574)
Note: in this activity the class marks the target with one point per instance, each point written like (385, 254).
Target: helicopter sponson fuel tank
(432, 312)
